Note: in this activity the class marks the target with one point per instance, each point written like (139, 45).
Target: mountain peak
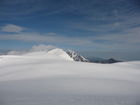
(57, 52)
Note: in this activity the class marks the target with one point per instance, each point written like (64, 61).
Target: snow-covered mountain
(43, 51)
(55, 53)
(52, 78)
(76, 57)
(68, 54)
(59, 53)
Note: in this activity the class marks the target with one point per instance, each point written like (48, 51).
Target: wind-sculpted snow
(53, 78)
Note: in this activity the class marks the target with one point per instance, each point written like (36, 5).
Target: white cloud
(42, 47)
(127, 40)
(48, 37)
(16, 52)
(35, 48)
(12, 28)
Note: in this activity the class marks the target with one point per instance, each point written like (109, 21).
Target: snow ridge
(76, 57)
(60, 53)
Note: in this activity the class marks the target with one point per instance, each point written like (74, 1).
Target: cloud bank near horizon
(125, 40)
(35, 48)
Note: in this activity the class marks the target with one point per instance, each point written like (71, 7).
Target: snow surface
(53, 78)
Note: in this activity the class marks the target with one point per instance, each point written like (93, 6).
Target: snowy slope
(76, 57)
(52, 78)
(61, 53)
(52, 54)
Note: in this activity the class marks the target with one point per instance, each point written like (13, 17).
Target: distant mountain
(102, 60)
(76, 57)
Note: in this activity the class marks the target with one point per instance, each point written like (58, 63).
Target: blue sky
(103, 28)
